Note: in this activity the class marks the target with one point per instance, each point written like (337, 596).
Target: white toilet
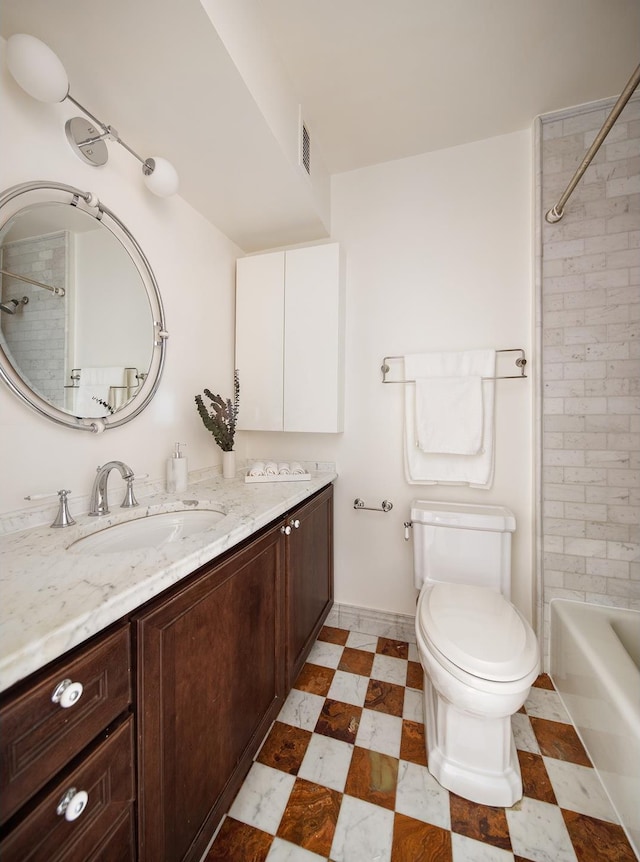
(478, 653)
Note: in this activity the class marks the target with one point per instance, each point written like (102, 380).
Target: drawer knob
(67, 693)
(295, 523)
(72, 804)
(286, 530)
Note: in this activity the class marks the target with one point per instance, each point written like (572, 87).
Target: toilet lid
(478, 631)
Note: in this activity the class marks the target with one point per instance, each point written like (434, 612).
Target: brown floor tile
(415, 675)
(544, 681)
(559, 740)
(339, 720)
(238, 842)
(333, 635)
(356, 661)
(535, 781)
(315, 679)
(285, 747)
(413, 745)
(396, 649)
(414, 841)
(482, 822)
(385, 697)
(373, 776)
(310, 818)
(597, 840)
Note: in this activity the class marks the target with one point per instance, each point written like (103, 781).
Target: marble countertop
(54, 598)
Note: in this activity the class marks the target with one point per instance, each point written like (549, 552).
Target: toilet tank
(462, 543)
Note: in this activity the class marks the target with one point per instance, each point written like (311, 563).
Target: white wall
(194, 265)
(438, 258)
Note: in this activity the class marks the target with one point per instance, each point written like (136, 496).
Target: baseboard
(372, 621)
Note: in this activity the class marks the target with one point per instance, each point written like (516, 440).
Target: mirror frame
(24, 194)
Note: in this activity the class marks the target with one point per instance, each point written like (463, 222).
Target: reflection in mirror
(81, 327)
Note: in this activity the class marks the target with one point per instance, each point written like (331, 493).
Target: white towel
(449, 414)
(455, 469)
(284, 469)
(271, 468)
(297, 469)
(94, 390)
(257, 469)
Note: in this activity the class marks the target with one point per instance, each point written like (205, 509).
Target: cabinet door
(259, 340)
(309, 590)
(210, 682)
(314, 340)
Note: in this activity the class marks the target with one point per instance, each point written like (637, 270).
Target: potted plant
(220, 417)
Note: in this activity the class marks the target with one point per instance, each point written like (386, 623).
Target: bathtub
(595, 667)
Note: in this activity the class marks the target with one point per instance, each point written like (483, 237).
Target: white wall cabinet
(290, 340)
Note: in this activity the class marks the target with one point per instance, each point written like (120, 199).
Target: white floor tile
(419, 795)
(284, 851)
(364, 832)
(326, 762)
(523, 734)
(363, 641)
(349, 687)
(413, 708)
(389, 669)
(469, 850)
(538, 832)
(414, 655)
(578, 788)
(301, 709)
(543, 703)
(380, 732)
(325, 654)
(263, 797)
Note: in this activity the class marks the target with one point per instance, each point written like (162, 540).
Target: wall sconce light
(40, 73)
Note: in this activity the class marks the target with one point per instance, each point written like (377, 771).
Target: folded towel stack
(273, 468)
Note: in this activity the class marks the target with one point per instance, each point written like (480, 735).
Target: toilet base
(472, 756)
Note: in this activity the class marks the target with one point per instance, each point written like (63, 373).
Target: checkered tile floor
(342, 776)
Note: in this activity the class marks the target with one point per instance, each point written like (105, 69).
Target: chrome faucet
(99, 504)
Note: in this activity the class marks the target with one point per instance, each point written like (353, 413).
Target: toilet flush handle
(407, 527)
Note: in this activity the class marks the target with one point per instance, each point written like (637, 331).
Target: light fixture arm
(40, 73)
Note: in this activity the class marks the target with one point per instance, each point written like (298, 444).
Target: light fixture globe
(36, 68)
(160, 177)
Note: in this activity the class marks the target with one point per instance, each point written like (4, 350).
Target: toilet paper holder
(385, 506)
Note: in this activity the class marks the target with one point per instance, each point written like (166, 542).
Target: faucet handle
(63, 518)
(129, 498)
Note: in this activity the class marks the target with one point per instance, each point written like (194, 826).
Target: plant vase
(228, 465)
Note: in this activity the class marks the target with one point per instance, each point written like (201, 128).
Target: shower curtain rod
(59, 291)
(555, 213)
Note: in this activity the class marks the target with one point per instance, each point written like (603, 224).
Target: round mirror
(82, 334)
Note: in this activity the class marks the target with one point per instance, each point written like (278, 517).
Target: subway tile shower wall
(35, 334)
(590, 279)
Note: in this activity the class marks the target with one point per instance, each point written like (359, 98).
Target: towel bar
(521, 363)
(385, 506)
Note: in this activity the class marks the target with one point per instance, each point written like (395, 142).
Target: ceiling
(377, 80)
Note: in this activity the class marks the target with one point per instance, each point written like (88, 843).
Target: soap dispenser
(177, 473)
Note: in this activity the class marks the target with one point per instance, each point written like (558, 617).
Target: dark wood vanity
(176, 701)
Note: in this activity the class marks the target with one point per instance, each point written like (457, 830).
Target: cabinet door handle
(67, 693)
(286, 530)
(72, 804)
(295, 523)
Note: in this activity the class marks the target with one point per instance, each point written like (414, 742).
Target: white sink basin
(149, 532)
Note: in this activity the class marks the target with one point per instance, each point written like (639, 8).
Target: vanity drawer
(38, 737)
(103, 831)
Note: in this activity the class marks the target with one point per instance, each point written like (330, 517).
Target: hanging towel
(94, 390)
(423, 467)
(449, 414)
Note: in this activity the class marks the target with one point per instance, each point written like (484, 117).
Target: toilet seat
(477, 630)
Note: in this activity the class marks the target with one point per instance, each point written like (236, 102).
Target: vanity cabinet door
(211, 680)
(309, 584)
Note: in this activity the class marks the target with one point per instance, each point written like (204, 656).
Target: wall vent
(305, 154)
